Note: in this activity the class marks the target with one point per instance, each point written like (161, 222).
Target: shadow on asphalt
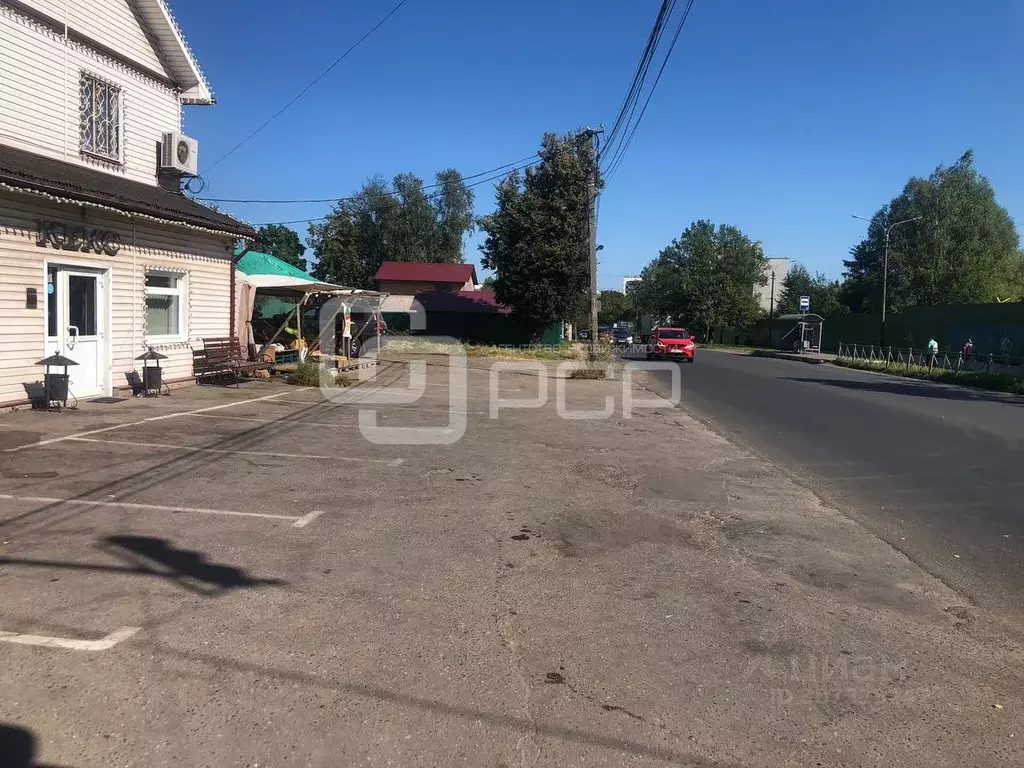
(18, 748)
(914, 389)
(185, 567)
(525, 725)
(164, 472)
(148, 556)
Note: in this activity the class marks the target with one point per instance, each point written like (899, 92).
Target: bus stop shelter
(805, 335)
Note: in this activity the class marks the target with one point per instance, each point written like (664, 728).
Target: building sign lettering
(74, 237)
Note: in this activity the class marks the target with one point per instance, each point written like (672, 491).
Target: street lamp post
(771, 314)
(885, 267)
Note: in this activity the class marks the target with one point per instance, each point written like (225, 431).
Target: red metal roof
(426, 272)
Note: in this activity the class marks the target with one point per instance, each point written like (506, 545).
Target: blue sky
(782, 117)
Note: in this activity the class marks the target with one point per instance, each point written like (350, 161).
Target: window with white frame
(100, 108)
(166, 306)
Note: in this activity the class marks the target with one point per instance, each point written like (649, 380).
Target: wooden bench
(222, 357)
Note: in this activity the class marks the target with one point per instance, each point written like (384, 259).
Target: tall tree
(704, 279)
(336, 244)
(453, 211)
(964, 249)
(615, 306)
(392, 222)
(284, 243)
(825, 294)
(537, 236)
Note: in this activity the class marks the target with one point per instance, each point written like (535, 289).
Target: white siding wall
(39, 98)
(205, 258)
(111, 22)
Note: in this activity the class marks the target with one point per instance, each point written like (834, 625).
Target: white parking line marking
(270, 421)
(370, 406)
(305, 520)
(154, 507)
(272, 454)
(151, 418)
(74, 645)
(295, 423)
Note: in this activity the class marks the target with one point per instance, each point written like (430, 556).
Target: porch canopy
(270, 276)
(273, 277)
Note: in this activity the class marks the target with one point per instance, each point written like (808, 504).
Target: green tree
(825, 294)
(615, 306)
(704, 279)
(453, 212)
(536, 238)
(284, 243)
(392, 222)
(489, 283)
(336, 244)
(964, 249)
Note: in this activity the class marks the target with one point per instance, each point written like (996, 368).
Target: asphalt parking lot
(239, 577)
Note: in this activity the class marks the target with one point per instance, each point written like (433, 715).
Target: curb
(795, 357)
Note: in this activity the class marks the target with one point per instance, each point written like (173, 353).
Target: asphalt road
(934, 470)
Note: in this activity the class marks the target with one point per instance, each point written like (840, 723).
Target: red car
(668, 343)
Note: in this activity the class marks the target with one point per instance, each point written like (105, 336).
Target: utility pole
(771, 314)
(592, 239)
(885, 269)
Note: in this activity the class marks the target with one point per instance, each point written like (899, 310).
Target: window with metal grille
(101, 118)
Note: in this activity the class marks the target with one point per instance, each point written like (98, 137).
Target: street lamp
(885, 265)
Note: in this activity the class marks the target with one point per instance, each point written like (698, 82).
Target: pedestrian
(346, 334)
(933, 351)
(968, 348)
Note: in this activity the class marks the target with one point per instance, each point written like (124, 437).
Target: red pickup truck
(667, 343)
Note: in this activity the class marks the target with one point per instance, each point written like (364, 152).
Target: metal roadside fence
(907, 357)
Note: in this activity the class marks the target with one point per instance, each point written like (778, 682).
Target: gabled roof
(175, 51)
(426, 272)
(22, 171)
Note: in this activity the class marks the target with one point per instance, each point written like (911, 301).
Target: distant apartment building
(629, 282)
(763, 293)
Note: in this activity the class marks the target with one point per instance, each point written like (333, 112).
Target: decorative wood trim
(74, 35)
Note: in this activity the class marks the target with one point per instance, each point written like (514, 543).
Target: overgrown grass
(310, 374)
(568, 351)
(995, 382)
(748, 349)
(590, 371)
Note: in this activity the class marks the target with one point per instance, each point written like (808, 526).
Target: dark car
(622, 336)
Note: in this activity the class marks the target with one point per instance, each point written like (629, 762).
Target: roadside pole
(592, 238)
(771, 314)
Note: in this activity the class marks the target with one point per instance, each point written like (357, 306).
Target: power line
(336, 199)
(392, 195)
(640, 75)
(301, 93)
(616, 160)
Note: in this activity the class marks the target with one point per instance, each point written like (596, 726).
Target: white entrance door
(76, 304)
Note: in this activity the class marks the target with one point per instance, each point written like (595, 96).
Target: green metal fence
(895, 358)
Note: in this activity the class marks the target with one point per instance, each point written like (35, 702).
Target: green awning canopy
(270, 275)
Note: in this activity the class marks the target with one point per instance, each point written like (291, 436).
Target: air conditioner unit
(179, 154)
